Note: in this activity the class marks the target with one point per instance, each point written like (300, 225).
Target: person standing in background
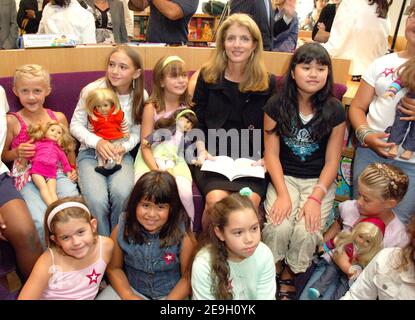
(29, 15)
(129, 20)
(8, 24)
(285, 27)
(360, 33)
(262, 13)
(169, 19)
(321, 30)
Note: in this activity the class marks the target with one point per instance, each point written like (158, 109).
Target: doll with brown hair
(169, 138)
(406, 79)
(350, 251)
(52, 142)
(107, 120)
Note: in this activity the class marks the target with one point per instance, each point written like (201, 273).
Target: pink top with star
(75, 285)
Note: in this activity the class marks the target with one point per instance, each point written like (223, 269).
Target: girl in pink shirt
(51, 142)
(74, 264)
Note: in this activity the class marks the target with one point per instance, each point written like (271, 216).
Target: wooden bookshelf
(201, 27)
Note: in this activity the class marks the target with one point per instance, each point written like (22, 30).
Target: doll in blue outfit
(153, 244)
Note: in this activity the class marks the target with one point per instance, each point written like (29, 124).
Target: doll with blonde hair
(406, 79)
(52, 142)
(350, 251)
(107, 120)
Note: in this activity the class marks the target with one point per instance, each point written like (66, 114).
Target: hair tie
(246, 192)
(170, 59)
(65, 205)
(183, 112)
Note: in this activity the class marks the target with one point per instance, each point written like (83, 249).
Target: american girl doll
(304, 127)
(74, 264)
(106, 195)
(167, 150)
(390, 275)
(32, 85)
(52, 142)
(398, 133)
(153, 244)
(232, 262)
(351, 252)
(107, 120)
(169, 95)
(381, 188)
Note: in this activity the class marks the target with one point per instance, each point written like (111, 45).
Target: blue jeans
(30, 193)
(364, 157)
(321, 267)
(105, 196)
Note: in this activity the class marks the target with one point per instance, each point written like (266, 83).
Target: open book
(233, 169)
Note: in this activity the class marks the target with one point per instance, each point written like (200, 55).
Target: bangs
(175, 69)
(157, 193)
(312, 52)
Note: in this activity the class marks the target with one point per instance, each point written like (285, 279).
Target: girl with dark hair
(153, 244)
(304, 128)
(232, 263)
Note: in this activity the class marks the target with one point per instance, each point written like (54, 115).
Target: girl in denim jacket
(153, 244)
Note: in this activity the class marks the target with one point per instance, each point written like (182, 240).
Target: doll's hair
(367, 229)
(171, 66)
(137, 85)
(255, 74)
(170, 121)
(388, 181)
(30, 71)
(406, 73)
(63, 216)
(38, 132)
(219, 216)
(97, 96)
(157, 187)
(62, 3)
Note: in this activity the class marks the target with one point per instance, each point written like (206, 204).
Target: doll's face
(184, 124)
(103, 108)
(54, 133)
(363, 240)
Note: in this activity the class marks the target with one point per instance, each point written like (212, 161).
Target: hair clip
(246, 192)
(394, 186)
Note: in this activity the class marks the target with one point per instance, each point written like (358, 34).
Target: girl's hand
(375, 142)
(260, 162)
(106, 149)
(119, 149)
(281, 209)
(311, 212)
(408, 108)
(321, 26)
(26, 150)
(203, 155)
(72, 175)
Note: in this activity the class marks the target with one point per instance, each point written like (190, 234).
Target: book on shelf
(234, 169)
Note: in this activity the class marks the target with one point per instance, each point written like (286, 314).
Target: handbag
(212, 7)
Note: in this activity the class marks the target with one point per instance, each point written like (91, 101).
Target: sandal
(288, 295)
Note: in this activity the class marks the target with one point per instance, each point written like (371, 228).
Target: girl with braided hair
(381, 187)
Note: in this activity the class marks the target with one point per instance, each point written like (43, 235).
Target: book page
(220, 164)
(244, 168)
(231, 169)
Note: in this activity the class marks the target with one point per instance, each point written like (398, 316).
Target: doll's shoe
(313, 293)
(108, 172)
(285, 295)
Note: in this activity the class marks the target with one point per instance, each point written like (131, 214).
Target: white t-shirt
(380, 76)
(358, 34)
(70, 20)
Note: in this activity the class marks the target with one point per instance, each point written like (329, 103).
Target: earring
(252, 56)
(134, 84)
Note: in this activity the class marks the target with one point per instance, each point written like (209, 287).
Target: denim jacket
(151, 270)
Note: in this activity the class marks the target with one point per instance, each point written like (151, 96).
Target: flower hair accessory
(246, 192)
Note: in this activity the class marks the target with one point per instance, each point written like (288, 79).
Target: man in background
(169, 19)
